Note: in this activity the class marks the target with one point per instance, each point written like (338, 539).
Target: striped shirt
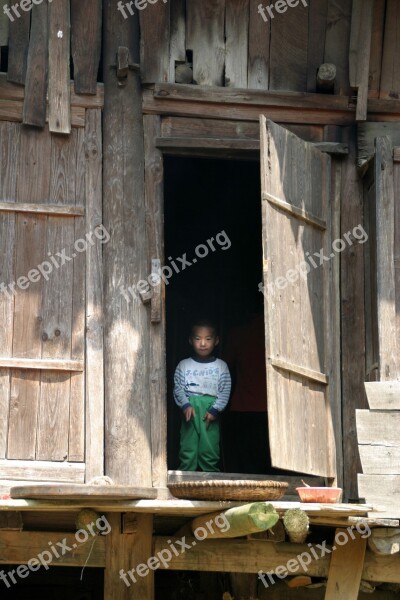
(199, 378)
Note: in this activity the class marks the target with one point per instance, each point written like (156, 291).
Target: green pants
(199, 445)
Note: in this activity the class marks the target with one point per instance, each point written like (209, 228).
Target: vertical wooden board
(352, 318)
(154, 49)
(4, 24)
(86, 20)
(154, 222)
(389, 368)
(94, 298)
(76, 448)
(317, 23)
(205, 36)
(237, 43)
(337, 42)
(9, 146)
(18, 47)
(375, 63)
(390, 76)
(33, 181)
(59, 75)
(259, 40)
(53, 422)
(177, 35)
(289, 50)
(346, 566)
(396, 181)
(34, 112)
(360, 46)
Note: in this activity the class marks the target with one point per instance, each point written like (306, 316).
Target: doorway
(213, 246)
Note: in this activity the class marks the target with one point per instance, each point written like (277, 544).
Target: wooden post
(126, 341)
(124, 553)
(346, 567)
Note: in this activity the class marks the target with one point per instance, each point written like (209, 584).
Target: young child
(202, 385)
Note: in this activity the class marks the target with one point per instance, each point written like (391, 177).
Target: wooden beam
(59, 65)
(126, 325)
(124, 552)
(346, 567)
(59, 210)
(94, 381)
(42, 471)
(383, 395)
(12, 110)
(42, 364)
(17, 548)
(70, 491)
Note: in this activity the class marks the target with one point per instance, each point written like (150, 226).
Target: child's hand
(209, 418)
(189, 413)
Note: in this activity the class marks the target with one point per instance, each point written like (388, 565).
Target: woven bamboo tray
(215, 489)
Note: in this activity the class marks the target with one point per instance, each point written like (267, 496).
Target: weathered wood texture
(360, 47)
(59, 67)
(346, 567)
(126, 333)
(18, 47)
(390, 75)
(352, 318)
(301, 379)
(383, 491)
(86, 21)
(37, 70)
(155, 42)
(154, 224)
(383, 395)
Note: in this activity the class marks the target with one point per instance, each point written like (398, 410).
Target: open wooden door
(302, 356)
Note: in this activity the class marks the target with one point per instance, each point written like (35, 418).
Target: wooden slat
(11, 91)
(204, 144)
(383, 491)
(378, 427)
(259, 45)
(396, 154)
(237, 43)
(389, 367)
(376, 460)
(11, 110)
(360, 46)
(71, 491)
(288, 50)
(42, 471)
(317, 22)
(19, 547)
(86, 20)
(155, 28)
(205, 36)
(94, 301)
(77, 419)
(18, 48)
(383, 395)
(154, 199)
(36, 80)
(346, 567)
(352, 317)
(366, 135)
(41, 364)
(177, 35)
(45, 209)
(300, 213)
(390, 75)
(59, 76)
(301, 371)
(378, 27)
(337, 42)
(9, 151)
(4, 25)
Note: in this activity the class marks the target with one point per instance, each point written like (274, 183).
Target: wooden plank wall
(39, 42)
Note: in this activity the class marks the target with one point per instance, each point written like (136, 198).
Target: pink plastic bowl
(319, 494)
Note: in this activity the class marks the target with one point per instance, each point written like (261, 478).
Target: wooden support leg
(124, 553)
(346, 566)
(244, 586)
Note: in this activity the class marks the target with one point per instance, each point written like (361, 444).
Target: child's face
(203, 340)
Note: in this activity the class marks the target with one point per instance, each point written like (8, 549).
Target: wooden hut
(129, 133)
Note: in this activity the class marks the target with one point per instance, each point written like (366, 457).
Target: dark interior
(204, 198)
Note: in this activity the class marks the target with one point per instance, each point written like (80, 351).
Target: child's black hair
(203, 321)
